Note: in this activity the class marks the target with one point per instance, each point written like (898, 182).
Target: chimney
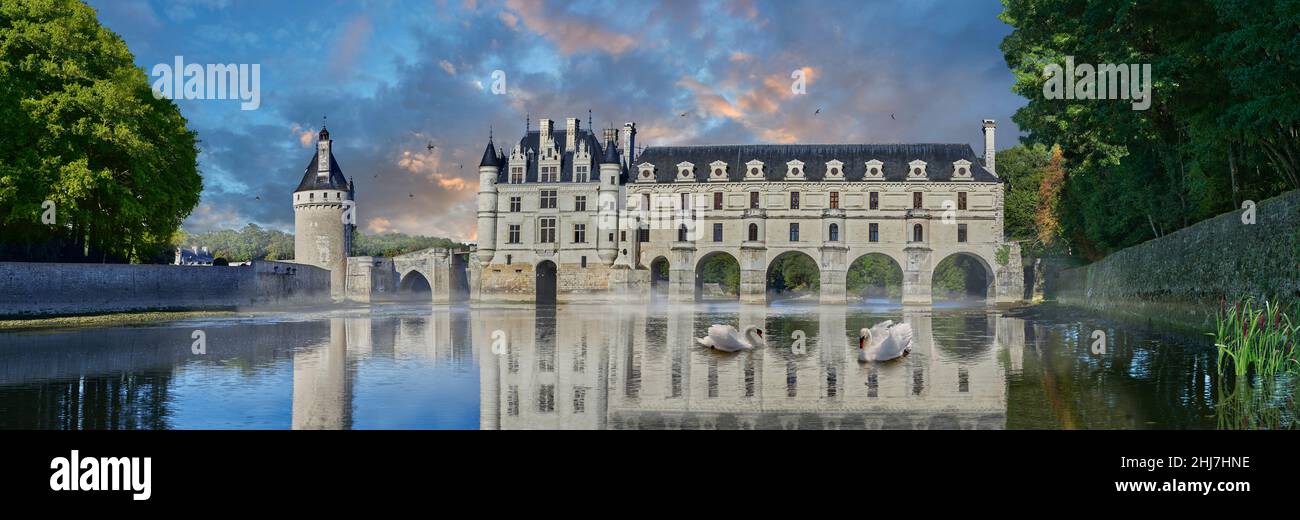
(570, 133)
(611, 134)
(629, 144)
(989, 155)
(545, 126)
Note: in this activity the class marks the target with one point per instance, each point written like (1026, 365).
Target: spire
(611, 153)
(490, 157)
(324, 132)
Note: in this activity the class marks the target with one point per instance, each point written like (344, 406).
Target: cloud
(570, 32)
(351, 43)
(447, 66)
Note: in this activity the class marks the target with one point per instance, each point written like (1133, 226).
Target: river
(614, 367)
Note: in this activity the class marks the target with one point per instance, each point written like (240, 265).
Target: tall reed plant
(1259, 337)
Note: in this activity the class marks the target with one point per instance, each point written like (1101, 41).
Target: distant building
(193, 256)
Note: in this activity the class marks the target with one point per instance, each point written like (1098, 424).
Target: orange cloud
(571, 34)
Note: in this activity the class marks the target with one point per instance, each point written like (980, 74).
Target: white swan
(884, 341)
(725, 338)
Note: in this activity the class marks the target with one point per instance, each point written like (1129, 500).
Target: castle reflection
(633, 368)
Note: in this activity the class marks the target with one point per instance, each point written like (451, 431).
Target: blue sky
(393, 76)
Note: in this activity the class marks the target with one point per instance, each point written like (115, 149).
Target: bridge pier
(917, 273)
(833, 271)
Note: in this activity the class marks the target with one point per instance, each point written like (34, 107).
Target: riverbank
(1183, 278)
(111, 320)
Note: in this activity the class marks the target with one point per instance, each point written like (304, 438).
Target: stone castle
(565, 215)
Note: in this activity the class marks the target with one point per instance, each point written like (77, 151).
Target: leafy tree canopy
(84, 131)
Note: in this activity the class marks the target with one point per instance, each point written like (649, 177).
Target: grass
(104, 320)
(1259, 337)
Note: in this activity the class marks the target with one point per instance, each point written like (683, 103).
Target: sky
(389, 78)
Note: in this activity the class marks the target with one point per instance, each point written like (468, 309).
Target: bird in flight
(819, 110)
(891, 116)
(430, 146)
(684, 114)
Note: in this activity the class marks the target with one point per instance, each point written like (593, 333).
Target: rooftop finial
(528, 122)
(324, 133)
(489, 133)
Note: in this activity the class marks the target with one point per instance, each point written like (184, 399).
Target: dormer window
(717, 171)
(875, 171)
(754, 170)
(794, 170)
(646, 172)
(916, 170)
(685, 172)
(834, 171)
(961, 170)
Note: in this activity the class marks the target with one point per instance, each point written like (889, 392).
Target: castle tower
(488, 168)
(607, 231)
(321, 204)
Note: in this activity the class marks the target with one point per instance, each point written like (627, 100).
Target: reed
(1258, 337)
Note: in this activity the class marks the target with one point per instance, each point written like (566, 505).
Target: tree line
(1223, 126)
(254, 242)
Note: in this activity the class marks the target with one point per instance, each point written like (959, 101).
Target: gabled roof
(311, 181)
(895, 159)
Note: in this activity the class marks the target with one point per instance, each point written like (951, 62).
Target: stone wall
(1182, 277)
(36, 289)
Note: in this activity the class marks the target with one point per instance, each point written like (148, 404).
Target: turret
(607, 237)
(321, 237)
(488, 169)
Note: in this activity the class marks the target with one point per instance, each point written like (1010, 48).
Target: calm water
(603, 367)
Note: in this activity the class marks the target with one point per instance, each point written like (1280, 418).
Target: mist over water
(605, 367)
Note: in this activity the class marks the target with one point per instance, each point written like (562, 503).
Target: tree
(84, 132)
(1223, 124)
(1045, 219)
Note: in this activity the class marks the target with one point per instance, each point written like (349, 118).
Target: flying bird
(430, 146)
(726, 339)
(819, 110)
(684, 114)
(891, 116)
(411, 195)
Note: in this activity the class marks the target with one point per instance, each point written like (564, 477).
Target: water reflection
(597, 368)
(602, 367)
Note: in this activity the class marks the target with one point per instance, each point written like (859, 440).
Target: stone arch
(779, 288)
(700, 293)
(659, 275)
(415, 285)
(867, 270)
(546, 276)
(983, 268)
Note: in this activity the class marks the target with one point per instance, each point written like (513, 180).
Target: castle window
(835, 200)
(512, 236)
(753, 200)
(548, 199)
(643, 233)
(550, 174)
(753, 232)
(961, 200)
(580, 203)
(581, 174)
(509, 258)
(546, 399)
(835, 233)
(916, 200)
(516, 204)
(717, 200)
(794, 200)
(717, 232)
(961, 232)
(311, 196)
(584, 262)
(517, 175)
(875, 200)
(548, 231)
(681, 233)
(916, 233)
(873, 232)
(794, 231)
(580, 234)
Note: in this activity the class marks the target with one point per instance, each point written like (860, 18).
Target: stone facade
(556, 205)
(323, 218)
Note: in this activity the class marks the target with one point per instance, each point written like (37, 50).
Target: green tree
(84, 131)
(875, 276)
(722, 270)
(1223, 124)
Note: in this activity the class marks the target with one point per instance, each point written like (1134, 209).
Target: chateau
(564, 215)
